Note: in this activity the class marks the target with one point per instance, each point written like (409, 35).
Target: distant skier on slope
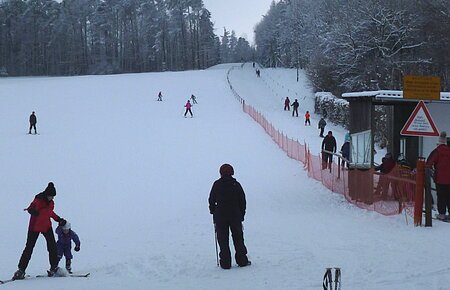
(227, 205)
(188, 107)
(41, 210)
(295, 106)
(194, 99)
(307, 118)
(160, 97)
(321, 125)
(287, 104)
(33, 121)
(64, 244)
(328, 144)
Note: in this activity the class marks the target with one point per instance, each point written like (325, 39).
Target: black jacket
(33, 119)
(329, 144)
(227, 200)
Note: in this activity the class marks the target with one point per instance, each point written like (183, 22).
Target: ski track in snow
(133, 177)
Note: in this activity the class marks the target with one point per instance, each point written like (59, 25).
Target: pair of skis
(43, 276)
(328, 279)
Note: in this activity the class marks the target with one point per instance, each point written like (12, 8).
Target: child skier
(64, 244)
(188, 108)
(307, 120)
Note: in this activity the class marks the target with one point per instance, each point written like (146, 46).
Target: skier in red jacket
(439, 159)
(41, 210)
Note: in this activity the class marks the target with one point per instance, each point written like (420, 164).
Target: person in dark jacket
(227, 205)
(159, 97)
(386, 166)
(41, 210)
(287, 104)
(295, 106)
(321, 125)
(33, 121)
(328, 144)
(64, 244)
(439, 159)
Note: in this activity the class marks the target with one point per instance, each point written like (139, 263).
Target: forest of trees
(353, 45)
(75, 37)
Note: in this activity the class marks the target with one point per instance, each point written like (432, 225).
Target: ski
(11, 280)
(70, 275)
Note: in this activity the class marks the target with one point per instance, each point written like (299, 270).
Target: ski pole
(215, 242)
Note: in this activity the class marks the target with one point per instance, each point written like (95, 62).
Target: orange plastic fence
(388, 194)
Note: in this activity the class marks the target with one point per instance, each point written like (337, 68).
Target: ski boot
(52, 271)
(19, 275)
(68, 266)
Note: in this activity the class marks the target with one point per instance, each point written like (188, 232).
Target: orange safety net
(388, 194)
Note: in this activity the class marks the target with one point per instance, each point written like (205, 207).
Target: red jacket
(440, 159)
(41, 210)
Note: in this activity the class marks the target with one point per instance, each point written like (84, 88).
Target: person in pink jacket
(188, 108)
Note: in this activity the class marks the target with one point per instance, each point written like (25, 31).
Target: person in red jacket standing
(439, 159)
(41, 210)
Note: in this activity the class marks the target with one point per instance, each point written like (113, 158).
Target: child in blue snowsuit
(64, 243)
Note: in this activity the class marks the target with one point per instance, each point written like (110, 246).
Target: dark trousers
(321, 131)
(32, 126)
(223, 237)
(188, 110)
(31, 242)
(295, 110)
(307, 121)
(443, 198)
(287, 108)
(327, 160)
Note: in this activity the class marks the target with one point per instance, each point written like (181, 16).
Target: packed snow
(133, 177)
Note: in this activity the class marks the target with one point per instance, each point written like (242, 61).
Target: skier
(41, 210)
(227, 205)
(188, 108)
(307, 120)
(194, 99)
(386, 166)
(287, 104)
(33, 121)
(64, 244)
(345, 150)
(328, 144)
(439, 159)
(322, 124)
(295, 106)
(159, 96)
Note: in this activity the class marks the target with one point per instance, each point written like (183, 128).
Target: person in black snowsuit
(160, 97)
(227, 205)
(328, 144)
(295, 106)
(33, 121)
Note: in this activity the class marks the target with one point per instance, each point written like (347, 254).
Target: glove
(32, 211)
(62, 222)
(77, 248)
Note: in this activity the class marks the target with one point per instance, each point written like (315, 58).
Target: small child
(64, 243)
(307, 120)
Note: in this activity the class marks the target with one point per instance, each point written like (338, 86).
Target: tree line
(353, 45)
(76, 37)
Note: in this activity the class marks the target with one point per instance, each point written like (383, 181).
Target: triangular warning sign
(420, 123)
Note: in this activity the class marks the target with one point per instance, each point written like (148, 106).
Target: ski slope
(133, 177)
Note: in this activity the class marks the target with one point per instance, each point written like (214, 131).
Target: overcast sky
(238, 15)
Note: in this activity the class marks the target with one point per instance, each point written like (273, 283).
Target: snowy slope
(133, 177)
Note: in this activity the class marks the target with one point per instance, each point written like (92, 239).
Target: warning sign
(420, 123)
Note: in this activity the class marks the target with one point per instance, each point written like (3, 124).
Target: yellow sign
(422, 88)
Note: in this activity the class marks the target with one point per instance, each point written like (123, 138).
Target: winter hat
(226, 170)
(50, 190)
(66, 227)
(442, 138)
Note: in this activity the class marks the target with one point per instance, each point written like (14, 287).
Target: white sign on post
(420, 123)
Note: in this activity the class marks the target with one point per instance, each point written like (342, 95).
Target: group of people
(188, 104)
(41, 210)
(227, 204)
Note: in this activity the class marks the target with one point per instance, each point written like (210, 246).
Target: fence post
(418, 200)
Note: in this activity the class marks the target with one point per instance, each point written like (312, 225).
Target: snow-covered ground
(133, 177)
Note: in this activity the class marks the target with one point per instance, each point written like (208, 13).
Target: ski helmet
(66, 227)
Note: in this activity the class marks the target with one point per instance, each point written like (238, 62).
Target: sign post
(422, 88)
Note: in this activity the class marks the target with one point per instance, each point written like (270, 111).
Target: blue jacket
(67, 238)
